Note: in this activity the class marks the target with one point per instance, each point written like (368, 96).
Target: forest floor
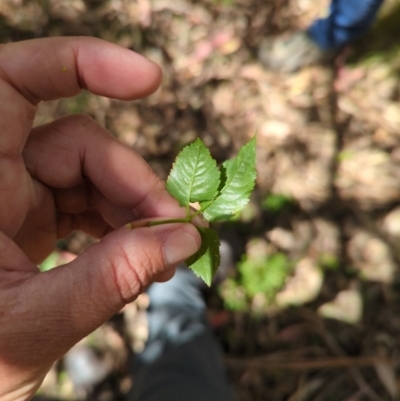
(323, 225)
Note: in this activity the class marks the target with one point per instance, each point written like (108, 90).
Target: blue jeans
(182, 360)
(347, 20)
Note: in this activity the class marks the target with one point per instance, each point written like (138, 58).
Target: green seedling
(220, 193)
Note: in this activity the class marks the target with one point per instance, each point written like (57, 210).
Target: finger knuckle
(127, 277)
(132, 273)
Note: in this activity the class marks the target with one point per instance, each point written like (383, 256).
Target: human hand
(72, 174)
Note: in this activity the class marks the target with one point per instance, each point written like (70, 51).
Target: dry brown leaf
(346, 307)
(304, 286)
(372, 257)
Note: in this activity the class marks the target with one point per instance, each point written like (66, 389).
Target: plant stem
(144, 223)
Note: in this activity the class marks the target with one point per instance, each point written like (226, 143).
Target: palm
(16, 187)
(18, 206)
(40, 203)
(34, 219)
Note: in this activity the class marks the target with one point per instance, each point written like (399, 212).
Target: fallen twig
(266, 363)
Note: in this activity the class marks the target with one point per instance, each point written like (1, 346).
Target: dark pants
(347, 20)
(182, 360)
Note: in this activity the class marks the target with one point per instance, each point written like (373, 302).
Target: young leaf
(237, 181)
(206, 260)
(194, 176)
(221, 193)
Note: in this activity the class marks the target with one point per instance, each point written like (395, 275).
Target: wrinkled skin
(72, 174)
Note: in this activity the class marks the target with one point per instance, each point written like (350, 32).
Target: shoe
(291, 53)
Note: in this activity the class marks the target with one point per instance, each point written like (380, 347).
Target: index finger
(52, 68)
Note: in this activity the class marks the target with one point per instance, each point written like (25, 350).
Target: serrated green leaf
(206, 260)
(237, 181)
(195, 176)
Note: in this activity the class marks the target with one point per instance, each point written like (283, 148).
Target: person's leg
(347, 20)
(182, 360)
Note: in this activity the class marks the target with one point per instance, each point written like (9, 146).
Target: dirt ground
(327, 195)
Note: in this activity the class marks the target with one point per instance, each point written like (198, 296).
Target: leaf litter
(341, 169)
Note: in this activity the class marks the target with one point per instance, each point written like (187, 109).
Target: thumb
(52, 311)
(134, 258)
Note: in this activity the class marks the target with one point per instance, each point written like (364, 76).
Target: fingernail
(178, 246)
